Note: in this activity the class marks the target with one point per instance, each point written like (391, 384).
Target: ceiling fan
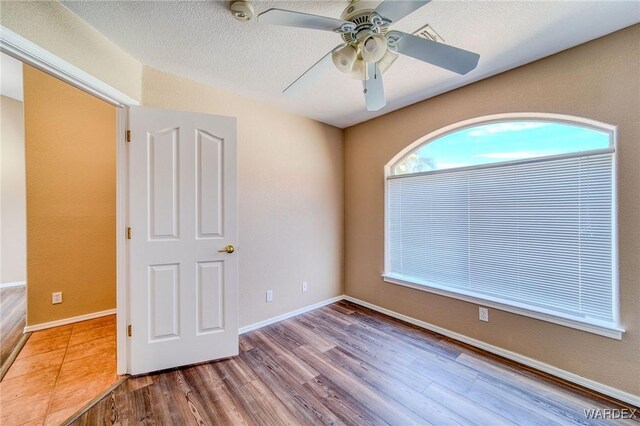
(369, 47)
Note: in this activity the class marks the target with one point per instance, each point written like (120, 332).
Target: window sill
(592, 326)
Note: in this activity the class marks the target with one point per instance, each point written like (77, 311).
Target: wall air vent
(429, 33)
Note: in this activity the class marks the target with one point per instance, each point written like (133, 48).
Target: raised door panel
(210, 297)
(209, 183)
(164, 183)
(163, 303)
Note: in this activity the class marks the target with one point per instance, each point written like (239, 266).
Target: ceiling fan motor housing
(358, 12)
(358, 8)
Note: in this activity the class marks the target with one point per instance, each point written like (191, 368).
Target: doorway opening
(68, 163)
(13, 252)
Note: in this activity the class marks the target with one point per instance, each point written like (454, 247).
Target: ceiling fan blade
(311, 74)
(442, 55)
(289, 18)
(373, 88)
(394, 10)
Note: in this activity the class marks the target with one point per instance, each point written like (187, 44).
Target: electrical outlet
(305, 287)
(56, 298)
(269, 295)
(483, 314)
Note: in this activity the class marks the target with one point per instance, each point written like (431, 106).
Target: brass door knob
(228, 249)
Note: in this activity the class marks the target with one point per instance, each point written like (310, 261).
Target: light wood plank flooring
(58, 372)
(343, 364)
(13, 305)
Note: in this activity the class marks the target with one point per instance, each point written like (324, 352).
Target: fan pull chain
(365, 78)
(375, 77)
(364, 72)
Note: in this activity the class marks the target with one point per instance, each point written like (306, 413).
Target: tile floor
(58, 372)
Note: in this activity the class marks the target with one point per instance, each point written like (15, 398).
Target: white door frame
(30, 53)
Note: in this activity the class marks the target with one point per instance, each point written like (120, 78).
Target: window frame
(612, 330)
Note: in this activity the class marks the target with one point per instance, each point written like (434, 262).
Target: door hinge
(128, 135)
(129, 330)
(128, 233)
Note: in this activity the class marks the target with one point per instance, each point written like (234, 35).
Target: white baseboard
(13, 284)
(530, 362)
(65, 321)
(272, 320)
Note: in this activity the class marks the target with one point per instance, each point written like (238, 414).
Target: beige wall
(70, 167)
(13, 226)
(54, 28)
(290, 198)
(599, 80)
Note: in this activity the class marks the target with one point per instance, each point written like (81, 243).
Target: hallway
(59, 371)
(12, 319)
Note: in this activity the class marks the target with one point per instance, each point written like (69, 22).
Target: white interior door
(183, 303)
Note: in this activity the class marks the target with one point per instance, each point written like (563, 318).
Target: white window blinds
(538, 234)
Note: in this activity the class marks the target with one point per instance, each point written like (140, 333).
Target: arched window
(516, 212)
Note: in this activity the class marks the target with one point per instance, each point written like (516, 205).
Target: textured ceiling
(200, 40)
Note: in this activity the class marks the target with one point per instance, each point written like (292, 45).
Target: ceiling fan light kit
(369, 47)
(374, 47)
(359, 69)
(344, 57)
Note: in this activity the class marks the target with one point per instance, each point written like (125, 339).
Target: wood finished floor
(344, 364)
(58, 372)
(13, 305)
